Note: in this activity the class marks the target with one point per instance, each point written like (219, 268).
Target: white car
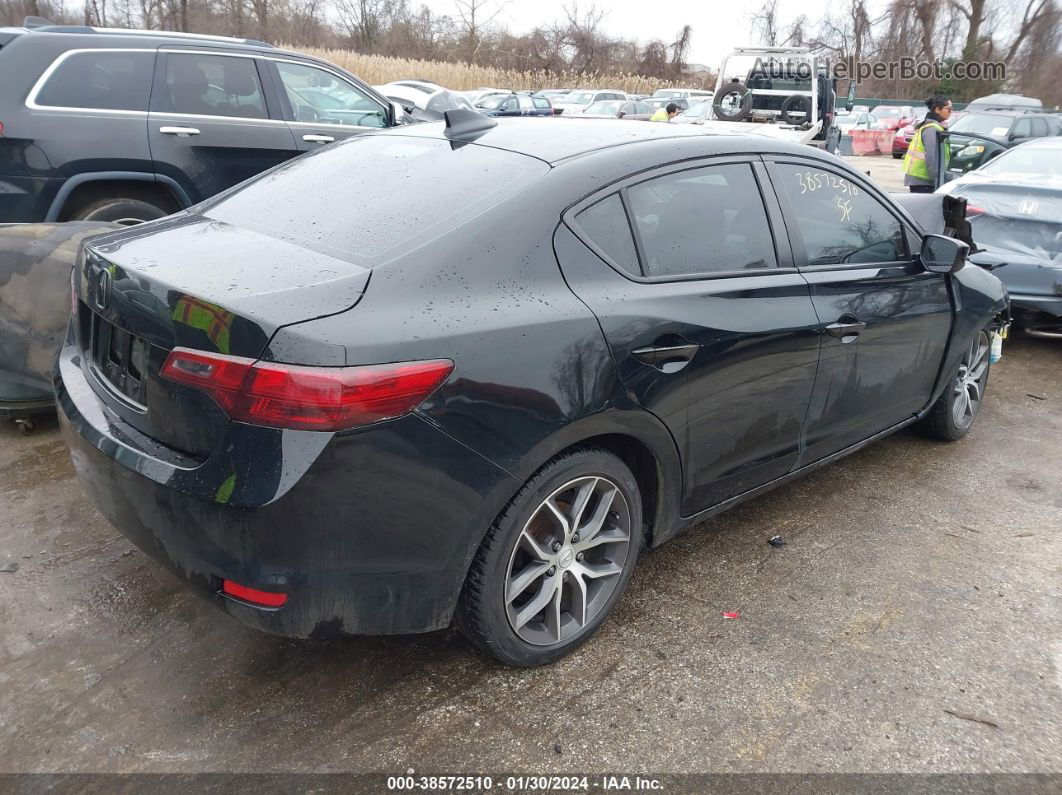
(581, 99)
(423, 100)
(846, 122)
(682, 93)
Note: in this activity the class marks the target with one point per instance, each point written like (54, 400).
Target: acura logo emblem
(101, 296)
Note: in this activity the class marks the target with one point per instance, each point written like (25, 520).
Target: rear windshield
(375, 197)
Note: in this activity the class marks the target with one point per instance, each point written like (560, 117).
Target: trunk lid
(199, 283)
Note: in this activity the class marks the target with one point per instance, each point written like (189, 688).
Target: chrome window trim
(31, 98)
(166, 114)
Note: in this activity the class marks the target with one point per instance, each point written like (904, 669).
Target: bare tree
(476, 16)
(765, 23)
(1036, 11)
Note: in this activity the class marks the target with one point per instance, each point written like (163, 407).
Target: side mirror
(942, 254)
(849, 103)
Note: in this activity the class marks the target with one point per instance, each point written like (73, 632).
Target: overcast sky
(718, 26)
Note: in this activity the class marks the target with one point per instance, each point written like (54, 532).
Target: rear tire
(120, 211)
(954, 413)
(555, 562)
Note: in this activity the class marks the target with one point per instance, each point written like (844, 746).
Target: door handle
(846, 330)
(178, 130)
(667, 358)
(318, 139)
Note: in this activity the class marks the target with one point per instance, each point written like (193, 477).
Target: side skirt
(688, 521)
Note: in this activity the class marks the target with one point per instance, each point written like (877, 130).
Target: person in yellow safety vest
(665, 114)
(921, 163)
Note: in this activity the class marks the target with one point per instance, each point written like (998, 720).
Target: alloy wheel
(970, 382)
(567, 561)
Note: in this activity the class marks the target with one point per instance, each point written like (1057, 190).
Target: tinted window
(1022, 128)
(1040, 128)
(318, 96)
(213, 85)
(702, 221)
(103, 80)
(371, 198)
(605, 223)
(839, 221)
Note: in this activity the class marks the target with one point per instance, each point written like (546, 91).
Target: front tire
(555, 562)
(954, 413)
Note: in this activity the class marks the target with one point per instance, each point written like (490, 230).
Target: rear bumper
(1048, 304)
(367, 533)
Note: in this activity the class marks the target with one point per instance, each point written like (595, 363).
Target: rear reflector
(306, 398)
(253, 595)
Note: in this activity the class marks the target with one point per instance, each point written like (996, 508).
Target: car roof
(558, 139)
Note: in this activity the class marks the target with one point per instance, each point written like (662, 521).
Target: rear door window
(838, 221)
(213, 85)
(542, 103)
(705, 220)
(100, 81)
(605, 224)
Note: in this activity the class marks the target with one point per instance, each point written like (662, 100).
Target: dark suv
(978, 137)
(123, 125)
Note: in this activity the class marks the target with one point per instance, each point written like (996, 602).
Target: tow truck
(778, 92)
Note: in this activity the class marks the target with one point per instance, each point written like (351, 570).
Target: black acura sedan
(465, 372)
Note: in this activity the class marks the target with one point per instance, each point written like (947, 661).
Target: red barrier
(872, 142)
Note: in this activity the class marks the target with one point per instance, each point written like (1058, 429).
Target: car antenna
(462, 121)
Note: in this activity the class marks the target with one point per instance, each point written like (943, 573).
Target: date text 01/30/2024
(524, 783)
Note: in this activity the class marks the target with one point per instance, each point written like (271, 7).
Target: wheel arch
(77, 183)
(638, 439)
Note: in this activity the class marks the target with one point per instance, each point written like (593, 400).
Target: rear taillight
(1, 129)
(306, 398)
(971, 210)
(253, 595)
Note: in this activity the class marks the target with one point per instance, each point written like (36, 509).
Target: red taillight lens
(253, 595)
(971, 210)
(306, 398)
